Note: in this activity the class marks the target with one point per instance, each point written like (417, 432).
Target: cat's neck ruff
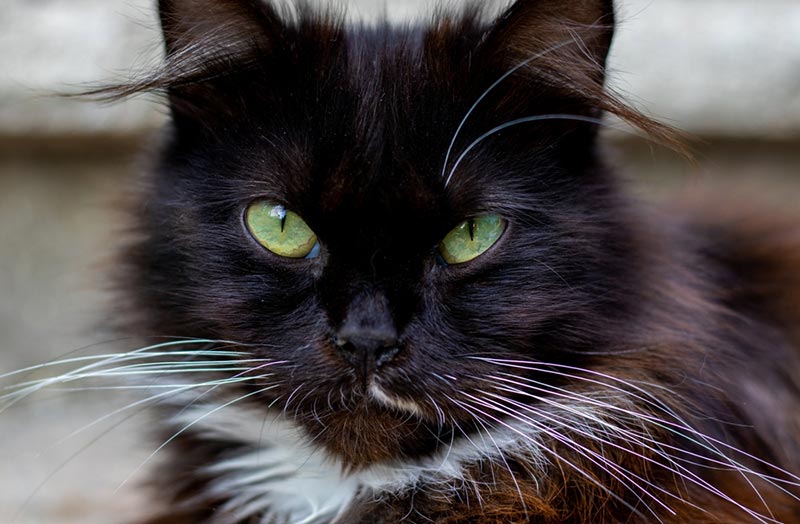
(282, 476)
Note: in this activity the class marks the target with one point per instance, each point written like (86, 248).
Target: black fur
(350, 128)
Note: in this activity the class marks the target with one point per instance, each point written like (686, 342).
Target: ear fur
(562, 46)
(207, 24)
(206, 42)
(529, 27)
(563, 43)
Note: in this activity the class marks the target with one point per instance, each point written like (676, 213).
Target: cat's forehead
(367, 127)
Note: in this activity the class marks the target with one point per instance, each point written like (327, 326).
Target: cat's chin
(379, 429)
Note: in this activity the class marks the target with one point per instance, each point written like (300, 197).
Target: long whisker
(111, 356)
(155, 368)
(492, 88)
(466, 436)
(659, 448)
(142, 404)
(146, 352)
(473, 409)
(676, 427)
(189, 426)
(502, 457)
(727, 462)
(174, 391)
(516, 122)
(616, 471)
(672, 467)
(16, 396)
(641, 394)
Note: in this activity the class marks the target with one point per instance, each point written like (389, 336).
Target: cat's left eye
(471, 238)
(281, 231)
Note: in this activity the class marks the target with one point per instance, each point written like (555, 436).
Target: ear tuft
(189, 25)
(562, 46)
(528, 27)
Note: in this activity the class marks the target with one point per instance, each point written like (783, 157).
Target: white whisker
(629, 437)
(491, 88)
(31, 387)
(513, 383)
(516, 122)
(112, 356)
(676, 426)
(727, 463)
(559, 458)
(189, 426)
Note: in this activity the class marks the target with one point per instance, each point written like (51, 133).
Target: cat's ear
(561, 47)
(209, 45)
(211, 25)
(570, 37)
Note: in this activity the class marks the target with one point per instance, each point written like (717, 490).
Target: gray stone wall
(713, 67)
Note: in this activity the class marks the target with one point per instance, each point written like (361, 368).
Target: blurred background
(726, 71)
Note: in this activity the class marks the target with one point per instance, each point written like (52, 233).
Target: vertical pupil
(280, 213)
(471, 225)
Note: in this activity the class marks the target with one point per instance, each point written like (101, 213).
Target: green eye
(471, 239)
(281, 231)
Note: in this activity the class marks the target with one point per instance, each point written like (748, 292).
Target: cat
(416, 291)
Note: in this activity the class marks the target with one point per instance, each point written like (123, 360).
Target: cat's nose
(367, 349)
(368, 337)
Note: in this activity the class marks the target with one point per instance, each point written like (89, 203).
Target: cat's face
(343, 136)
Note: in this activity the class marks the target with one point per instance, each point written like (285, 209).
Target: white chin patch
(380, 396)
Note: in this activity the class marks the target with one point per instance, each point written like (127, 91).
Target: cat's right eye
(471, 239)
(281, 231)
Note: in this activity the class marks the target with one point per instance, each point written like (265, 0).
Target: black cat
(423, 296)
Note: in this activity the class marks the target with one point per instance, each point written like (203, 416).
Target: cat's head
(381, 210)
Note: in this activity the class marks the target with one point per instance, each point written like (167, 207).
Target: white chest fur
(287, 480)
(281, 479)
